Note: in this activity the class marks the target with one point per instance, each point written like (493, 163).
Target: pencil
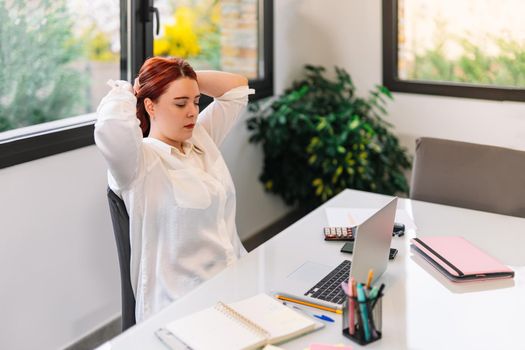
(308, 304)
(370, 277)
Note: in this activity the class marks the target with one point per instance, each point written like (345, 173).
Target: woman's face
(174, 114)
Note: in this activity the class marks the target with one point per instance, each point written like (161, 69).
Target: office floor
(98, 337)
(113, 328)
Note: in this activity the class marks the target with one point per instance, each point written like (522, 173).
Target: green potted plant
(320, 138)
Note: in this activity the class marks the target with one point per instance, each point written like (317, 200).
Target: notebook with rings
(243, 325)
(460, 260)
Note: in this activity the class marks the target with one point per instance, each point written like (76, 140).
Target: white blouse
(181, 205)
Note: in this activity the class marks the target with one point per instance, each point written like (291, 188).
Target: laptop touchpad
(310, 271)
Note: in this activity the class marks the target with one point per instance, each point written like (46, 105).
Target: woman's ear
(150, 107)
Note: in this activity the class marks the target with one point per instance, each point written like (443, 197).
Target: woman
(177, 189)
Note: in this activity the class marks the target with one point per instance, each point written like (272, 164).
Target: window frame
(264, 87)
(393, 83)
(139, 30)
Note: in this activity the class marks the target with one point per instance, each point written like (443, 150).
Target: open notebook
(247, 324)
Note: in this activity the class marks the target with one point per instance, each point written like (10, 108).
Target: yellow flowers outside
(180, 38)
(193, 33)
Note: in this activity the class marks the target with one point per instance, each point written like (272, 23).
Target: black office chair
(120, 220)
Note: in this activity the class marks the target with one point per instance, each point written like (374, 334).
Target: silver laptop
(320, 284)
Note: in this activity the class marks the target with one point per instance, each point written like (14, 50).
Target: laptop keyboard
(329, 288)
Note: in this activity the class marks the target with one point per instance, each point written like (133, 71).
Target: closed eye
(182, 101)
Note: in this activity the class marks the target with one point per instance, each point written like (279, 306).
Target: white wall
(347, 33)
(58, 265)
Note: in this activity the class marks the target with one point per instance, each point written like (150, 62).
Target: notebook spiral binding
(225, 309)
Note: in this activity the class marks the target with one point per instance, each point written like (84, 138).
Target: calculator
(339, 233)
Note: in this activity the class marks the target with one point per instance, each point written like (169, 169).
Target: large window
(56, 56)
(466, 48)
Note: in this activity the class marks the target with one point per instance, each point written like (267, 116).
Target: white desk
(421, 309)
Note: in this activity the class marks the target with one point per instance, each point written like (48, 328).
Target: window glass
(479, 42)
(211, 34)
(55, 56)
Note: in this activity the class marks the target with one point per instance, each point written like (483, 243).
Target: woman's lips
(189, 126)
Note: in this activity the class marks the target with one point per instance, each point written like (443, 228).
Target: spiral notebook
(248, 324)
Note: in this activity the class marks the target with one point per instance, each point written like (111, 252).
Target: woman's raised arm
(216, 83)
(118, 135)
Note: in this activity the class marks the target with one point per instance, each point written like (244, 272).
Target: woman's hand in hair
(136, 86)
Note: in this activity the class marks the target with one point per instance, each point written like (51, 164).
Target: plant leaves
(319, 138)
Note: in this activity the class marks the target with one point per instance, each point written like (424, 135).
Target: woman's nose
(194, 109)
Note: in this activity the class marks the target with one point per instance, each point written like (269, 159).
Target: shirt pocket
(189, 190)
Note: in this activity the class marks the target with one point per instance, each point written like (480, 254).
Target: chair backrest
(468, 175)
(120, 220)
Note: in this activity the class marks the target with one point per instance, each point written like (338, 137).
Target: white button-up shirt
(181, 205)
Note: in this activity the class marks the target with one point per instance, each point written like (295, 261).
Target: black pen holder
(366, 319)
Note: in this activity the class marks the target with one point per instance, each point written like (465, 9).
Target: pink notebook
(460, 260)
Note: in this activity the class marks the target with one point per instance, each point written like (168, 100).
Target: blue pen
(364, 312)
(324, 318)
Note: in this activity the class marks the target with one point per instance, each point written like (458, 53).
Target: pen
(371, 319)
(374, 292)
(370, 277)
(321, 317)
(351, 307)
(309, 304)
(378, 295)
(354, 293)
(345, 285)
(324, 318)
(364, 312)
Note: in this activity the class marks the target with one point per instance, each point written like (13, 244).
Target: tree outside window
(53, 57)
(479, 42)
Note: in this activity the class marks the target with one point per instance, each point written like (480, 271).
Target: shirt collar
(187, 146)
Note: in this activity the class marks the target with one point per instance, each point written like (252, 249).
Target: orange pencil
(370, 278)
(308, 304)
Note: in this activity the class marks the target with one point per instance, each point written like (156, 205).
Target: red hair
(154, 77)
